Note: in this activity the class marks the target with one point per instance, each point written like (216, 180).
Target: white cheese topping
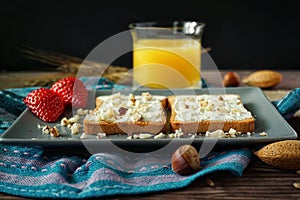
(129, 108)
(210, 107)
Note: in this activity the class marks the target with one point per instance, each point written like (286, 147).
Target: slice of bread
(119, 114)
(201, 113)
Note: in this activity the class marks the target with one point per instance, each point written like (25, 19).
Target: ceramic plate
(24, 130)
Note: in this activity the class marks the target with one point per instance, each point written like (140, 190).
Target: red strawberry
(45, 104)
(72, 90)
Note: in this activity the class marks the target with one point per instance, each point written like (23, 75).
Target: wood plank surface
(259, 181)
(28, 78)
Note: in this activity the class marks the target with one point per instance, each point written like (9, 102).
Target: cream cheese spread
(129, 108)
(226, 107)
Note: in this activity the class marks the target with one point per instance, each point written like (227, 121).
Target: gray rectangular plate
(24, 130)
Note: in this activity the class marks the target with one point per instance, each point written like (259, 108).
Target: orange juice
(166, 63)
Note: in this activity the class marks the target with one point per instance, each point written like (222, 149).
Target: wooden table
(259, 181)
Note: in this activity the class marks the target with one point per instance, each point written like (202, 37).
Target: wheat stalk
(69, 66)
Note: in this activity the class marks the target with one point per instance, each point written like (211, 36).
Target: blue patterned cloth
(289, 104)
(32, 171)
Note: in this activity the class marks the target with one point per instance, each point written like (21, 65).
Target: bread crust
(245, 125)
(91, 127)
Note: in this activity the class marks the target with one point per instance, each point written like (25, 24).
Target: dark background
(242, 34)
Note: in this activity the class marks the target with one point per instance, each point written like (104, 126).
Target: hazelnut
(185, 160)
(231, 79)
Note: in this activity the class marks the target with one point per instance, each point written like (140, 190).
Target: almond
(284, 154)
(263, 79)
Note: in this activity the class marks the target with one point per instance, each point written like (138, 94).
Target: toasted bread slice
(119, 114)
(201, 113)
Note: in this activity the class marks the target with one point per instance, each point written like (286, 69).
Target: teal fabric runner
(30, 172)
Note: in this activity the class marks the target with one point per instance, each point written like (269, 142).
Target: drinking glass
(167, 54)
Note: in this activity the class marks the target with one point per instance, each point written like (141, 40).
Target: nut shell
(231, 79)
(185, 160)
(263, 79)
(284, 154)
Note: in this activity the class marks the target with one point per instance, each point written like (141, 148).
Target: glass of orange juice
(167, 54)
